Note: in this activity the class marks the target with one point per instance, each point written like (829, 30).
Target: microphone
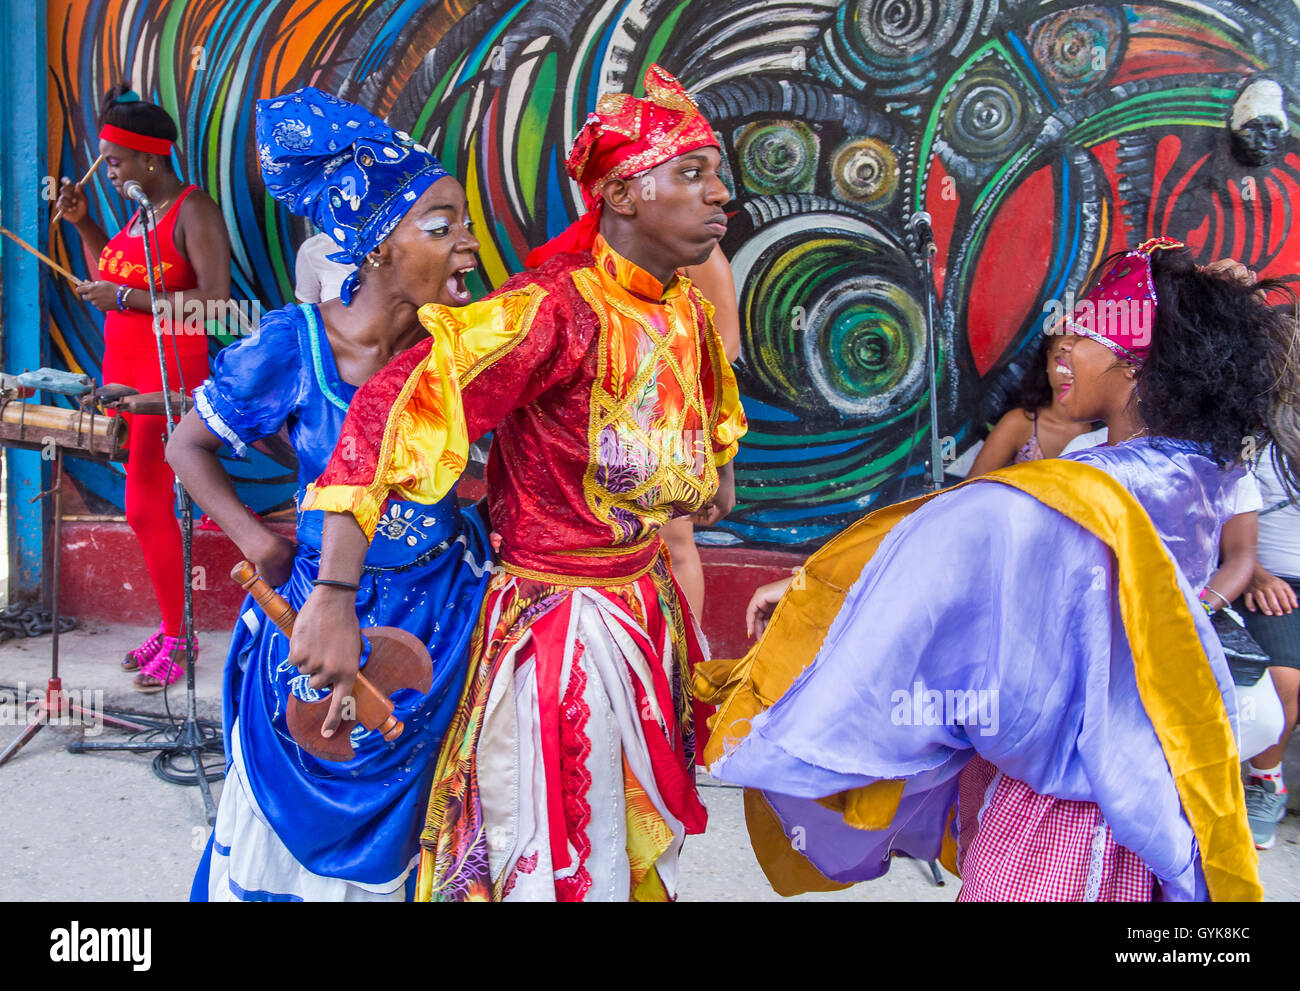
(133, 191)
(919, 225)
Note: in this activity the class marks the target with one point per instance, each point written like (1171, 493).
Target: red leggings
(150, 493)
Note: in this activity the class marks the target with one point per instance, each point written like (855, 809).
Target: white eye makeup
(437, 226)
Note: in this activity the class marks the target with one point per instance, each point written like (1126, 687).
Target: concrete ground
(91, 827)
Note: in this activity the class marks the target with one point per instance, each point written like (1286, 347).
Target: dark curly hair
(144, 118)
(1224, 365)
(1035, 388)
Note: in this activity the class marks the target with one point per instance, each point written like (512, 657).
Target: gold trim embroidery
(576, 581)
(655, 156)
(447, 320)
(607, 409)
(525, 322)
(378, 488)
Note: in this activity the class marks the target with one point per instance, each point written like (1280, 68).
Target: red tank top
(122, 262)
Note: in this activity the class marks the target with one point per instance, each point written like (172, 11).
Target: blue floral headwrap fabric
(344, 168)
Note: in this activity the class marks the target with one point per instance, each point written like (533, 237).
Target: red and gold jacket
(612, 402)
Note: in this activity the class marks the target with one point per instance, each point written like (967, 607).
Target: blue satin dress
(292, 827)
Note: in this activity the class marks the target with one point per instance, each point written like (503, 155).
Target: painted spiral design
(895, 45)
(901, 30)
(1077, 49)
(777, 157)
(833, 320)
(865, 171)
(907, 26)
(985, 117)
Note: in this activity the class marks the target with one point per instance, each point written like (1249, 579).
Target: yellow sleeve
(405, 436)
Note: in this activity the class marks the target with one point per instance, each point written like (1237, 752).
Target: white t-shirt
(1085, 441)
(1249, 499)
(316, 278)
(1279, 529)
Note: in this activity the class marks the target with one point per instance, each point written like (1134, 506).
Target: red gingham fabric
(1032, 847)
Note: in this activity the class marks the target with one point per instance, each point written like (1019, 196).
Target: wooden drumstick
(84, 179)
(45, 258)
(374, 709)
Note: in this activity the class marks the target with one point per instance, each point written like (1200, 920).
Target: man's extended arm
(405, 437)
(326, 641)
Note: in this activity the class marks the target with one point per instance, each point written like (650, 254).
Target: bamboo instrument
(73, 429)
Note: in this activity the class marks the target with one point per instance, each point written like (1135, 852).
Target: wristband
(1210, 590)
(121, 297)
(334, 584)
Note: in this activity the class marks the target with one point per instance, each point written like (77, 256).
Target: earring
(374, 262)
(150, 168)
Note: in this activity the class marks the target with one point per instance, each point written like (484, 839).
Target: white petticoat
(250, 863)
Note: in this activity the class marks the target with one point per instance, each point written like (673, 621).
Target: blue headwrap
(347, 170)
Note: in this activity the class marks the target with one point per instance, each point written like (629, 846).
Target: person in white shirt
(316, 279)
(1269, 609)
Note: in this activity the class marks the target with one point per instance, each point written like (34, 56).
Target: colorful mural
(1040, 135)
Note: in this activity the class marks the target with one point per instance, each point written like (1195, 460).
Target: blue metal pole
(24, 320)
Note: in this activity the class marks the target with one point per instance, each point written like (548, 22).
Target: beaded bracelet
(121, 297)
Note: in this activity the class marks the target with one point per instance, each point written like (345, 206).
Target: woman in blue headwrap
(290, 826)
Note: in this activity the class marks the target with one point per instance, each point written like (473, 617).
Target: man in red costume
(568, 771)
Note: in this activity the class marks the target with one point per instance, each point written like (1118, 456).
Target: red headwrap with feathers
(626, 136)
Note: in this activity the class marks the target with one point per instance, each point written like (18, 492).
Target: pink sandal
(166, 668)
(142, 655)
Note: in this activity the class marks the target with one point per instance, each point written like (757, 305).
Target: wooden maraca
(397, 660)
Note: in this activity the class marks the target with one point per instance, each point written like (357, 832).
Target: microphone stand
(919, 225)
(192, 738)
(935, 480)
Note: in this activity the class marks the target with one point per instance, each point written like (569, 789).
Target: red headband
(136, 142)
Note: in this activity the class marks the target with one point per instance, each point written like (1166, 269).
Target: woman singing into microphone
(136, 139)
